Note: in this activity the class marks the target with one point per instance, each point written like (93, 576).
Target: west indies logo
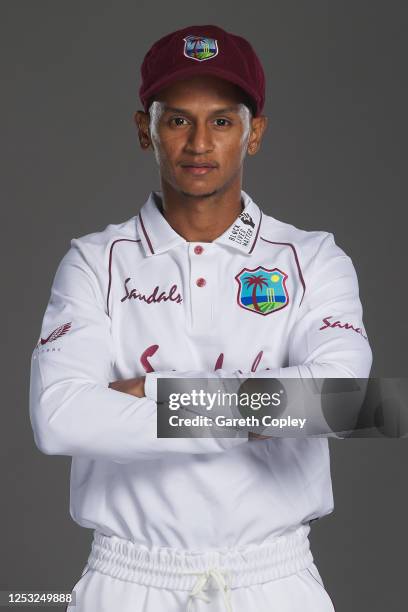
(262, 290)
(200, 48)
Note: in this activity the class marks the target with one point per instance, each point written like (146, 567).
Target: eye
(221, 122)
(178, 121)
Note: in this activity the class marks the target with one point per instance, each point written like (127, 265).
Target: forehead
(201, 91)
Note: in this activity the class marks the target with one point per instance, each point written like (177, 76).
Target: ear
(258, 127)
(141, 120)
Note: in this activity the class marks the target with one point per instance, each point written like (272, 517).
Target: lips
(198, 169)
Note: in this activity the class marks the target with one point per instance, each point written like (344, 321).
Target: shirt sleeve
(72, 410)
(328, 339)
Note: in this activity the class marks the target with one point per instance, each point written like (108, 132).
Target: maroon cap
(208, 50)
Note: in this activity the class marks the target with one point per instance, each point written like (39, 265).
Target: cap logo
(200, 48)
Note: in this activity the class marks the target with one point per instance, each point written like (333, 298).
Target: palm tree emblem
(255, 281)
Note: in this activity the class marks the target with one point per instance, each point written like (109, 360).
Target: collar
(157, 236)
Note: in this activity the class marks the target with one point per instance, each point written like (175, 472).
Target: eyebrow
(218, 111)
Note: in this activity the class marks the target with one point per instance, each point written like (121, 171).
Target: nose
(199, 139)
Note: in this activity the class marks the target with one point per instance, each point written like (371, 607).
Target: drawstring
(202, 581)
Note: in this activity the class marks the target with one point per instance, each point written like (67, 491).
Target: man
(199, 283)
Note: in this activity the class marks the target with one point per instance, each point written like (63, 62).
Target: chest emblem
(262, 290)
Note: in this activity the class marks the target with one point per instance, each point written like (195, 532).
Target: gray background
(333, 159)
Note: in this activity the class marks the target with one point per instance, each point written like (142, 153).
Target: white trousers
(279, 576)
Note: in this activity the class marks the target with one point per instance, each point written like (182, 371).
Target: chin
(198, 191)
(201, 194)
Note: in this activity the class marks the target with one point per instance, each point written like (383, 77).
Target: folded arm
(72, 409)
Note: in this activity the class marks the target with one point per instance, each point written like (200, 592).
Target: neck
(201, 219)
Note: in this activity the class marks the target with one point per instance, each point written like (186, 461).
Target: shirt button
(200, 282)
(198, 249)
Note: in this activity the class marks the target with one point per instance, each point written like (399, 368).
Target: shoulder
(94, 249)
(102, 240)
(86, 262)
(306, 244)
(316, 253)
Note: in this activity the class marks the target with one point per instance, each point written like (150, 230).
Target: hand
(132, 386)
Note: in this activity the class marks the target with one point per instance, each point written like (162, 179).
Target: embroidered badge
(262, 290)
(54, 335)
(200, 48)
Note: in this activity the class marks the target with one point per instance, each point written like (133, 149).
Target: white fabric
(303, 591)
(124, 480)
(207, 576)
(176, 568)
(219, 578)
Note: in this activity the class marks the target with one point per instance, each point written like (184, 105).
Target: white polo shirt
(264, 299)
